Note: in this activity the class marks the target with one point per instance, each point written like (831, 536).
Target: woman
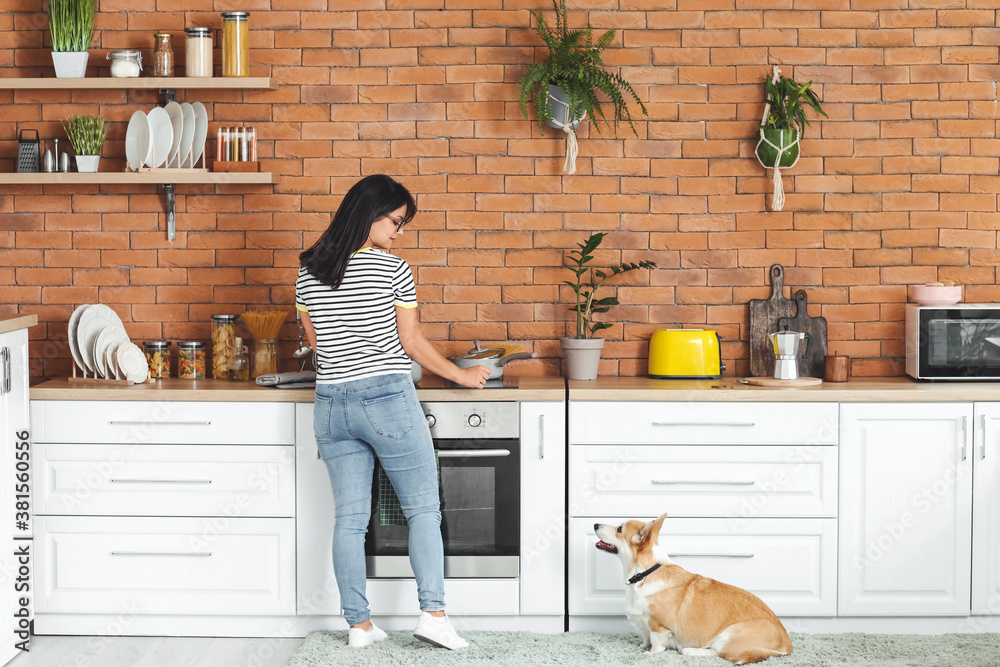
(359, 311)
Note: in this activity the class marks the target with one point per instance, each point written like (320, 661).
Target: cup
(837, 368)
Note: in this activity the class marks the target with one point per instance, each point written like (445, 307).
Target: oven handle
(472, 453)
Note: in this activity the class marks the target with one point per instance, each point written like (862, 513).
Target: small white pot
(560, 110)
(70, 64)
(87, 164)
(583, 356)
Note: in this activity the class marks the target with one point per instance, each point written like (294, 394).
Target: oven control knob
(475, 420)
(431, 420)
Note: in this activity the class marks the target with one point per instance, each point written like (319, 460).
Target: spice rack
(166, 86)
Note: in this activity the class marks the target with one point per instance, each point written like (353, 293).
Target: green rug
(327, 649)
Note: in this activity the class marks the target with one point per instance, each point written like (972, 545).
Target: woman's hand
(421, 351)
(474, 377)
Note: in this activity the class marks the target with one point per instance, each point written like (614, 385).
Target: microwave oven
(956, 342)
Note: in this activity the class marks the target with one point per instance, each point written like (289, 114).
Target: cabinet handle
(707, 554)
(965, 437)
(7, 385)
(156, 423)
(472, 453)
(740, 424)
(541, 436)
(161, 481)
(982, 450)
(735, 482)
(161, 553)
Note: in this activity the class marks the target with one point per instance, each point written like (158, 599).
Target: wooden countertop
(861, 390)
(173, 389)
(14, 322)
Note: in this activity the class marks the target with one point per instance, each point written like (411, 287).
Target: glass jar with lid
(125, 63)
(198, 52)
(163, 55)
(158, 356)
(223, 344)
(191, 360)
(235, 43)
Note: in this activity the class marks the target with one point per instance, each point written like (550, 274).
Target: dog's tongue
(604, 546)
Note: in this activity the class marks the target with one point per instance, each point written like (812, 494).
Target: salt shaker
(48, 162)
(64, 162)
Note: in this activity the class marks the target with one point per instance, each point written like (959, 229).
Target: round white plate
(137, 140)
(74, 321)
(110, 363)
(173, 110)
(162, 133)
(109, 334)
(92, 321)
(132, 363)
(187, 136)
(200, 130)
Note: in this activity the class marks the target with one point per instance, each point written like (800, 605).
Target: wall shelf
(152, 83)
(136, 178)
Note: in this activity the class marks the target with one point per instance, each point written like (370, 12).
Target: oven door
(480, 514)
(959, 343)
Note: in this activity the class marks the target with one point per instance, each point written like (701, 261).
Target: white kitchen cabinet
(986, 510)
(905, 509)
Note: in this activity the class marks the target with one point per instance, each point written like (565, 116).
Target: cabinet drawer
(791, 564)
(735, 481)
(104, 565)
(696, 423)
(172, 480)
(165, 422)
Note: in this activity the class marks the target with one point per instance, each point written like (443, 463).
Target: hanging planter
(781, 126)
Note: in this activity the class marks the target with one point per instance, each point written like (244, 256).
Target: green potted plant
(783, 124)
(583, 351)
(87, 134)
(71, 27)
(565, 85)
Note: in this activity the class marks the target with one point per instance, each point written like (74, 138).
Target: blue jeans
(354, 422)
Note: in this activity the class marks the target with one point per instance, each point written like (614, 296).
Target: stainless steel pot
(494, 363)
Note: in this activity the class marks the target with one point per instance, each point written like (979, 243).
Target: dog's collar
(642, 575)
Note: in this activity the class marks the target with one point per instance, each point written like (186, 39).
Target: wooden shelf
(136, 83)
(136, 178)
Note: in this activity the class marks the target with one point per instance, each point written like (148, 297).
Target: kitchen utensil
(789, 384)
(137, 140)
(685, 353)
(132, 363)
(176, 117)
(48, 162)
(200, 131)
(187, 136)
(108, 335)
(837, 368)
(71, 334)
(162, 133)
(786, 352)
(495, 364)
(764, 315)
(93, 319)
(811, 366)
(936, 294)
(64, 162)
(27, 152)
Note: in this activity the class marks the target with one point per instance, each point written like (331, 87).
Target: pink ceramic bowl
(936, 294)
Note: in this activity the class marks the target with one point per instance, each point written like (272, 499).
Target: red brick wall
(897, 187)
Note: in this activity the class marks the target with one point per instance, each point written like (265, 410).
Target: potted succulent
(783, 124)
(87, 134)
(565, 85)
(583, 351)
(71, 27)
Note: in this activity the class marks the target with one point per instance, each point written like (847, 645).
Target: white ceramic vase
(583, 356)
(87, 164)
(70, 64)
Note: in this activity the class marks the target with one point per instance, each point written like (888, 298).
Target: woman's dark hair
(368, 200)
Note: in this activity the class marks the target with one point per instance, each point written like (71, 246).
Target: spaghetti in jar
(235, 43)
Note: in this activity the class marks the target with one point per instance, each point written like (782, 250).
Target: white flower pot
(70, 64)
(87, 164)
(583, 356)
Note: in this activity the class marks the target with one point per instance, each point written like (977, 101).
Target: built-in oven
(478, 454)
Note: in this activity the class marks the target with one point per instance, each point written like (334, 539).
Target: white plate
(74, 321)
(92, 321)
(187, 136)
(109, 334)
(173, 110)
(110, 363)
(132, 363)
(162, 133)
(200, 130)
(137, 140)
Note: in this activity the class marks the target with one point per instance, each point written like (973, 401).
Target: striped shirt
(356, 323)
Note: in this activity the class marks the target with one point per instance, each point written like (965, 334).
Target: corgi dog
(673, 608)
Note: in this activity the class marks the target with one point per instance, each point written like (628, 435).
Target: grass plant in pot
(71, 27)
(87, 134)
(583, 351)
(565, 86)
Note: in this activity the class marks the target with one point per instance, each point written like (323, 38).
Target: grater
(27, 152)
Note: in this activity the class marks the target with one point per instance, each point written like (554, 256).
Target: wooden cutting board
(774, 382)
(813, 365)
(764, 315)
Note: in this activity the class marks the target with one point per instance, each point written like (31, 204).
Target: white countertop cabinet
(985, 457)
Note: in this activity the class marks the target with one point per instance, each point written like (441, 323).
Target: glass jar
(125, 63)
(191, 360)
(198, 52)
(158, 357)
(223, 344)
(235, 43)
(163, 55)
(240, 364)
(265, 357)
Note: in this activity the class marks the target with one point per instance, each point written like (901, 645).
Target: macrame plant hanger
(778, 199)
(566, 125)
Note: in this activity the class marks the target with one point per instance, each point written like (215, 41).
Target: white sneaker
(438, 631)
(358, 638)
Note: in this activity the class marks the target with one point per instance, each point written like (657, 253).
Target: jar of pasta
(235, 43)
(158, 357)
(223, 344)
(198, 52)
(191, 360)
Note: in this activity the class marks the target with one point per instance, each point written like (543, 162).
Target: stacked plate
(169, 136)
(101, 347)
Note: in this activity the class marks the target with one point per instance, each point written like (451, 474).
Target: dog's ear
(650, 531)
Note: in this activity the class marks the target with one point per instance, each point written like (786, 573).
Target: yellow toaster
(685, 353)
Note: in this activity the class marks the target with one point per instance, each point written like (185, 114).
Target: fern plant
(71, 24)
(788, 99)
(86, 133)
(586, 304)
(574, 64)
